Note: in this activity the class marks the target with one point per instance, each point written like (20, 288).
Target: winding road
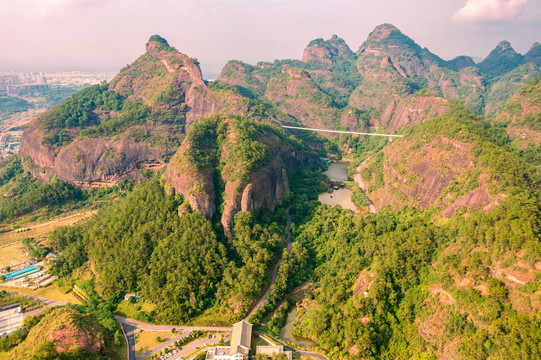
(359, 180)
(274, 271)
(130, 325)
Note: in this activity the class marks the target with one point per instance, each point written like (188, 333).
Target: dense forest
(140, 245)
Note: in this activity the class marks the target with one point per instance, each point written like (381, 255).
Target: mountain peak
(534, 54)
(327, 51)
(501, 60)
(158, 39)
(504, 45)
(157, 42)
(384, 31)
(535, 45)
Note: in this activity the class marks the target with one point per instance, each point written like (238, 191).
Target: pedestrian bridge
(339, 131)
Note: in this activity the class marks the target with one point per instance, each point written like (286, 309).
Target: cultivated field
(38, 230)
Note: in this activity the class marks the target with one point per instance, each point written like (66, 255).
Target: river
(286, 333)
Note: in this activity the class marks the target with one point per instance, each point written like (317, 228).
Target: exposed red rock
(327, 51)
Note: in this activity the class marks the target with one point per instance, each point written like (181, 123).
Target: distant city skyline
(105, 35)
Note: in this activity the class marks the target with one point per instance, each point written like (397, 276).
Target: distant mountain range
(106, 133)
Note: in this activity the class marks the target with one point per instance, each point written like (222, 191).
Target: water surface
(340, 197)
(286, 333)
(338, 171)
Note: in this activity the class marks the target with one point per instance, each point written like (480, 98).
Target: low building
(241, 340)
(21, 273)
(272, 350)
(11, 318)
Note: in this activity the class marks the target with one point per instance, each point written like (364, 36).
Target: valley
(381, 203)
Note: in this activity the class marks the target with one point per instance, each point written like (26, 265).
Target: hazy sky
(42, 35)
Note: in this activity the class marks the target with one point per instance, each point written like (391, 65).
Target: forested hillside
(200, 193)
(64, 333)
(141, 245)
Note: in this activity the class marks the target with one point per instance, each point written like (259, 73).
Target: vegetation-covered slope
(109, 132)
(181, 264)
(65, 333)
(522, 114)
(396, 285)
(229, 164)
(452, 161)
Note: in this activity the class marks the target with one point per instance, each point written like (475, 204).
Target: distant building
(52, 256)
(273, 349)
(241, 340)
(14, 275)
(128, 296)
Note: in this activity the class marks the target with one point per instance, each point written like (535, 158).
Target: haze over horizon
(99, 35)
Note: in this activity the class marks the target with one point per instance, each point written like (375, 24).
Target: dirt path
(359, 180)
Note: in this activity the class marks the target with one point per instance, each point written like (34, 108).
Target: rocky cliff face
(389, 68)
(433, 166)
(247, 167)
(94, 162)
(394, 67)
(163, 89)
(411, 111)
(297, 94)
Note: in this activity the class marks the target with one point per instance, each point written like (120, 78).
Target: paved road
(10, 320)
(186, 350)
(48, 304)
(358, 178)
(129, 326)
(296, 351)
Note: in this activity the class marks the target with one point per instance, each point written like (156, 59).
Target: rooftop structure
(241, 340)
(10, 318)
(16, 274)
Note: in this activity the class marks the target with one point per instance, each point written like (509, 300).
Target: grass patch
(257, 340)
(40, 229)
(146, 340)
(12, 255)
(138, 311)
(52, 292)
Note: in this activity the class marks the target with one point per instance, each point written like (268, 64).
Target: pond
(340, 197)
(338, 171)
(286, 333)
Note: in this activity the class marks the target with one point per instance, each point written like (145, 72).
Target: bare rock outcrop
(411, 111)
